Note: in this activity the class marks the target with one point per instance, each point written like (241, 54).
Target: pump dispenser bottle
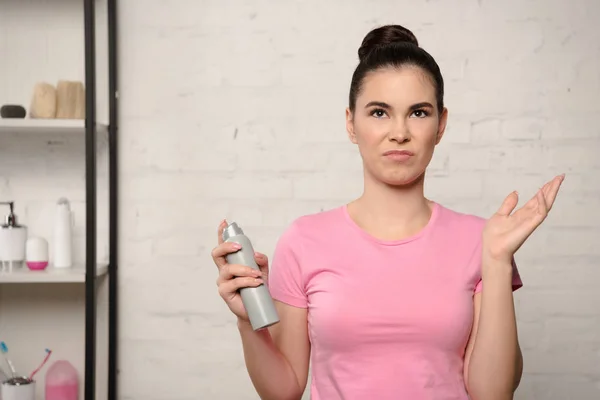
(257, 300)
(13, 240)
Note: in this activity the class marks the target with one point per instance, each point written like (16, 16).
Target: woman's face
(396, 124)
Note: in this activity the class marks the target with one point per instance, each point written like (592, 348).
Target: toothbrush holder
(18, 388)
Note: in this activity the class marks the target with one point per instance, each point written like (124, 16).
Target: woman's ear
(442, 125)
(350, 125)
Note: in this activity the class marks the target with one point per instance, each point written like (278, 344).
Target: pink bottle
(62, 382)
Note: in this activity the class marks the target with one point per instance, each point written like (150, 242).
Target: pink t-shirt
(386, 319)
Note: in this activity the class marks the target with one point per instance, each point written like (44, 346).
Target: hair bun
(385, 36)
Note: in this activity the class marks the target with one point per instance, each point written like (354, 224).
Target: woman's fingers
(220, 252)
(509, 204)
(220, 230)
(230, 271)
(542, 208)
(229, 288)
(552, 191)
(262, 261)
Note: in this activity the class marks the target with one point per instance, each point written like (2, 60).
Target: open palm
(506, 231)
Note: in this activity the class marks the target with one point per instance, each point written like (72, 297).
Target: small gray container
(257, 300)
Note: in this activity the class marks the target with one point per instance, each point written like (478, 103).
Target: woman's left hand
(505, 233)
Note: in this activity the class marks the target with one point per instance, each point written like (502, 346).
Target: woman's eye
(420, 113)
(379, 113)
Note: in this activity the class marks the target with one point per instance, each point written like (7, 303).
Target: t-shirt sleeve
(285, 280)
(516, 279)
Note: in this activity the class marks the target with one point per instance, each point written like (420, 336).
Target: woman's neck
(391, 212)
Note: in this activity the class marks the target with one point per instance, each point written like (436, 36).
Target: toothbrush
(4, 350)
(48, 353)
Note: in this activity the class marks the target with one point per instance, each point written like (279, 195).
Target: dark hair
(394, 46)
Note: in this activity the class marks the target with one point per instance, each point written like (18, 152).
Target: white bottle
(63, 235)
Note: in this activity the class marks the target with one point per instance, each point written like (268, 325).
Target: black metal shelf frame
(91, 200)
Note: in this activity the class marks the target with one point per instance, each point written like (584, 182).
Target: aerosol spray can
(257, 300)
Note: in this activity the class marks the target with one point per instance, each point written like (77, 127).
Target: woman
(392, 296)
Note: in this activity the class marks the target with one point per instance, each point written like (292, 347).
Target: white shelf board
(50, 275)
(32, 125)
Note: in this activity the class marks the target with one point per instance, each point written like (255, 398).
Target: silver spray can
(257, 300)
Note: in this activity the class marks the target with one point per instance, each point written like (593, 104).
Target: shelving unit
(75, 274)
(90, 273)
(47, 126)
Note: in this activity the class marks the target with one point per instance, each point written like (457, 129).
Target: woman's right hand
(233, 277)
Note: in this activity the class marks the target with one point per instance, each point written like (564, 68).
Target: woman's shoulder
(460, 219)
(316, 223)
(317, 220)
(323, 216)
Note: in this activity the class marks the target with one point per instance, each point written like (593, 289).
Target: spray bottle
(257, 300)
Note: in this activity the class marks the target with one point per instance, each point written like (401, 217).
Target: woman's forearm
(270, 373)
(496, 362)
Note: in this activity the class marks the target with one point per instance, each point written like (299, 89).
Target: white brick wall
(236, 110)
